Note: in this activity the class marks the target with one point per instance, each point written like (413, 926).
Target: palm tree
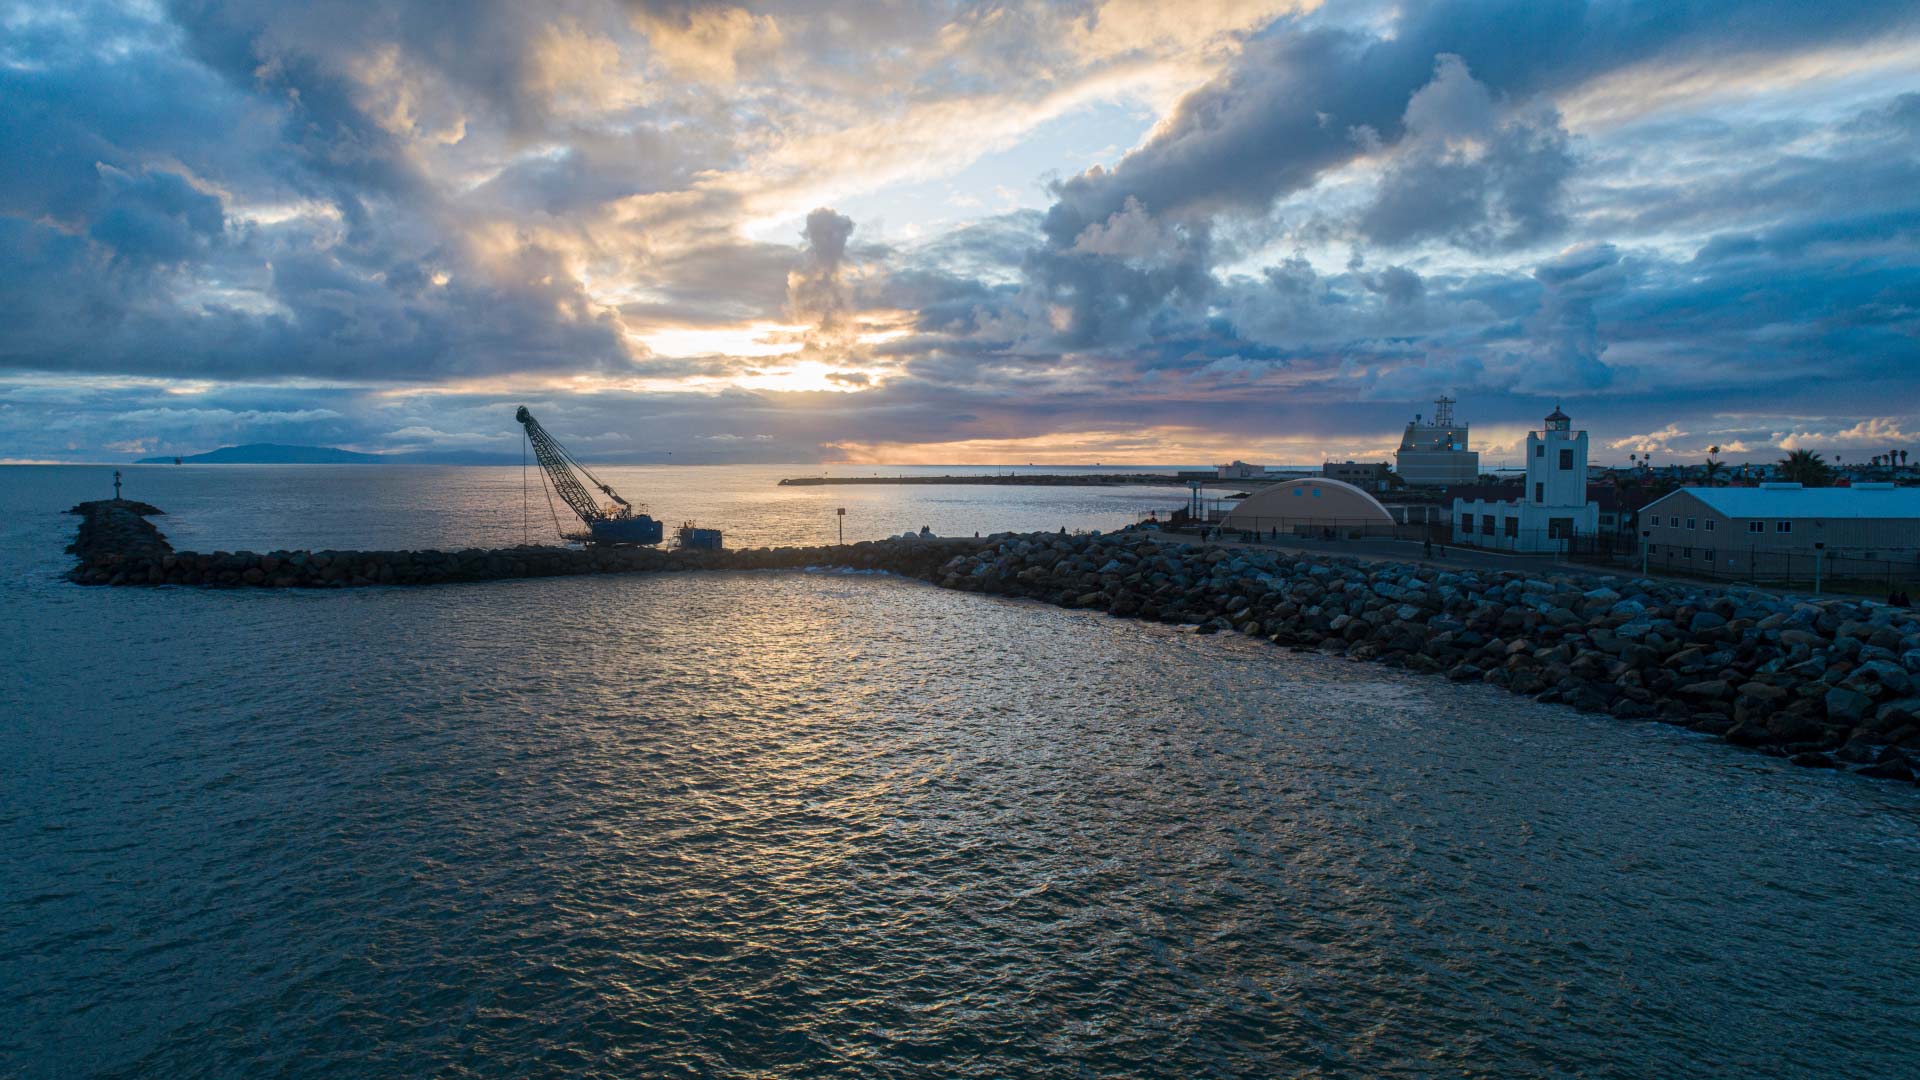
(1712, 468)
(1805, 467)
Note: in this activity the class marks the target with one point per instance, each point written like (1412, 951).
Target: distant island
(278, 454)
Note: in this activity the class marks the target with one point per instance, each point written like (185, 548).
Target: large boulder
(1846, 706)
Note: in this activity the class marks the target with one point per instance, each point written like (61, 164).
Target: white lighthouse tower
(1557, 463)
(1551, 510)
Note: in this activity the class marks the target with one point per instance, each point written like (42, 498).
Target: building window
(1783, 526)
(1756, 526)
(1296, 492)
(1486, 524)
(1690, 523)
(1653, 549)
(1316, 493)
(1709, 524)
(1707, 554)
(1539, 450)
(1539, 493)
(1686, 553)
(1654, 519)
(1466, 523)
(1566, 459)
(1559, 528)
(1512, 526)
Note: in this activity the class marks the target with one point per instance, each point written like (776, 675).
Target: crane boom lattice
(617, 524)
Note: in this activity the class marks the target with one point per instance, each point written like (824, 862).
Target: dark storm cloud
(157, 217)
(1504, 188)
(169, 281)
(395, 194)
(1313, 97)
(816, 291)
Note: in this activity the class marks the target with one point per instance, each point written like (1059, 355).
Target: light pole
(1644, 533)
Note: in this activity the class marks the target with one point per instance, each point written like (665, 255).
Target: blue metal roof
(1786, 502)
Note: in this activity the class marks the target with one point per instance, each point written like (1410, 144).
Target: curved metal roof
(1313, 498)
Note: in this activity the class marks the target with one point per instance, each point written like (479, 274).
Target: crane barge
(616, 524)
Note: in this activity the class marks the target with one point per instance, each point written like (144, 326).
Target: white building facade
(1553, 507)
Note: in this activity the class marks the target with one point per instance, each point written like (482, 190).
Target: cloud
(709, 43)
(1465, 176)
(1653, 441)
(817, 292)
(1261, 217)
(1873, 433)
(1566, 330)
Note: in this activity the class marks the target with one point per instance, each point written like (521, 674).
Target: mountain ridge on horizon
(288, 454)
(294, 454)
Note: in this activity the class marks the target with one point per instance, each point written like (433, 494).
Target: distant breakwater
(1831, 683)
(1019, 480)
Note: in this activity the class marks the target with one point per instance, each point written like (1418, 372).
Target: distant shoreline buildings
(1437, 454)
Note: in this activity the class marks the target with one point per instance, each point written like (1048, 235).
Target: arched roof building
(1310, 504)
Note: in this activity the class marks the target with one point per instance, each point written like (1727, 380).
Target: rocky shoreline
(1829, 683)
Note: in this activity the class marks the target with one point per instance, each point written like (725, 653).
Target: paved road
(1412, 551)
(1385, 550)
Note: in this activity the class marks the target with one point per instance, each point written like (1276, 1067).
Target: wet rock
(1711, 689)
(1847, 706)
(1891, 769)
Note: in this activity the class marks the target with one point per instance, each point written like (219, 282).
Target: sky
(897, 232)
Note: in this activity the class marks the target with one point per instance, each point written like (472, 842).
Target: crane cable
(604, 487)
(557, 531)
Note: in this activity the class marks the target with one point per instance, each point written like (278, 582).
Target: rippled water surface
(835, 825)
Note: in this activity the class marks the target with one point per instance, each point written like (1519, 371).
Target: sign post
(840, 515)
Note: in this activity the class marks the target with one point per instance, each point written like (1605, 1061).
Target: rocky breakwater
(117, 546)
(1832, 683)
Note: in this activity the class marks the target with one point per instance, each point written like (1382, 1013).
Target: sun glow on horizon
(749, 339)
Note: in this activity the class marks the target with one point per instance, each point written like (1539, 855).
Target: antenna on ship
(1443, 411)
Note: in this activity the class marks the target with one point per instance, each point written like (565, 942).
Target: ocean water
(262, 508)
(799, 825)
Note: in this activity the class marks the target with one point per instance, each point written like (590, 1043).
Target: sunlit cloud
(753, 339)
(1120, 231)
